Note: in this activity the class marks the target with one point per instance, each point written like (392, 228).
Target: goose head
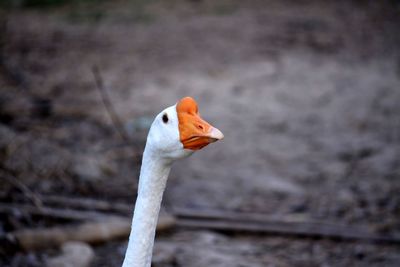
(178, 131)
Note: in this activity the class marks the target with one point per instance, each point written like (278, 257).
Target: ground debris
(73, 254)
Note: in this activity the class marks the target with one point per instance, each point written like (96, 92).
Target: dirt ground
(307, 94)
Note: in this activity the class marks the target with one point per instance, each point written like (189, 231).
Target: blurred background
(306, 92)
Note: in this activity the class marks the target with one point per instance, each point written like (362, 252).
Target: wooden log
(72, 202)
(88, 232)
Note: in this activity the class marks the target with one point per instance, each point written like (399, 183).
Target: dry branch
(224, 215)
(88, 232)
(308, 229)
(82, 203)
(66, 214)
(108, 105)
(27, 193)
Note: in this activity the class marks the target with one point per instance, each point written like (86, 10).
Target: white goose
(175, 133)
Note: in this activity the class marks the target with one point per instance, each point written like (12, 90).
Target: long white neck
(152, 181)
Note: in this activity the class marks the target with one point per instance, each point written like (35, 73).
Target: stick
(73, 215)
(108, 105)
(89, 232)
(224, 215)
(82, 203)
(27, 193)
(293, 230)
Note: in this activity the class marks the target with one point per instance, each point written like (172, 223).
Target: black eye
(165, 118)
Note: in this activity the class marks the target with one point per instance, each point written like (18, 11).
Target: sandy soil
(307, 95)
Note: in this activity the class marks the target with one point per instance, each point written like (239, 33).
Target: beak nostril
(200, 127)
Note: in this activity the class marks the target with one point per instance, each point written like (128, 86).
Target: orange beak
(195, 133)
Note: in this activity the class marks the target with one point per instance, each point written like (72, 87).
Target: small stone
(73, 254)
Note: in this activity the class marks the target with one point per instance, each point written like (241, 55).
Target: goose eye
(165, 118)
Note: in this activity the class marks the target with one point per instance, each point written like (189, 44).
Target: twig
(27, 193)
(108, 105)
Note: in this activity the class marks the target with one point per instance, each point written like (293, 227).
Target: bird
(176, 133)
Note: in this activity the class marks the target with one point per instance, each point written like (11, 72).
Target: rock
(73, 254)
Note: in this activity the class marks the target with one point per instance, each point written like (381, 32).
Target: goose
(176, 133)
